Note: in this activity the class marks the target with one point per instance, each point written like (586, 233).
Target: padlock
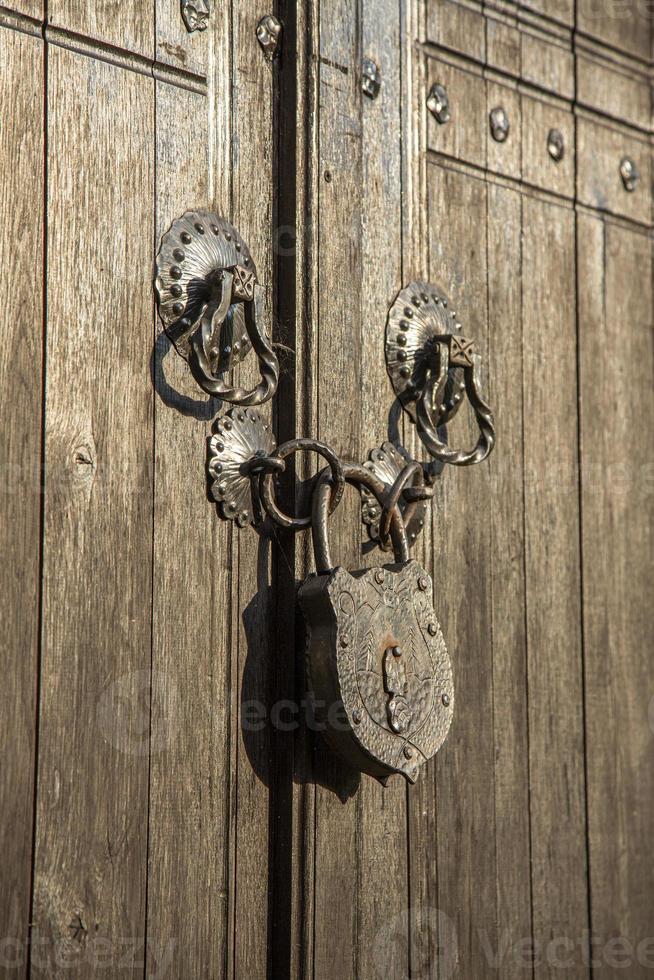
(378, 668)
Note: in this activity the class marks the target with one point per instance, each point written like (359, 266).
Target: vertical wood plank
(21, 251)
(254, 636)
(90, 864)
(123, 25)
(462, 509)
(506, 467)
(383, 889)
(557, 808)
(176, 46)
(189, 765)
(338, 363)
(615, 333)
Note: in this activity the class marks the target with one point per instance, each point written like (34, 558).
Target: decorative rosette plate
(240, 437)
(387, 463)
(191, 258)
(418, 318)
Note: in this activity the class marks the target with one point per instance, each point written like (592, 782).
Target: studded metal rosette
(192, 254)
(419, 316)
(240, 436)
(387, 463)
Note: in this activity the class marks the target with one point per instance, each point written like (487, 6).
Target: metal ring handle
(394, 495)
(357, 476)
(335, 469)
(431, 399)
(200, 346)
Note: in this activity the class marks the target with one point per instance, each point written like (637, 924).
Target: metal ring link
(394, 495)
(266, 490)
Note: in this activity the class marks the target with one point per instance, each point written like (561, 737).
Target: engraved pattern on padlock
(378, 667)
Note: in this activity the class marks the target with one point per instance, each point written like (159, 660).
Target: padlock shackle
(357, 476)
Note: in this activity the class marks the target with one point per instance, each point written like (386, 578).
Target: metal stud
(555, 144)
(176, 272)
(176, 289)
(499, 124)
(179, 254)
(186, 238)
(199, 228)
(269, 30)
(370, 78)
(629, 173)
(438, 103)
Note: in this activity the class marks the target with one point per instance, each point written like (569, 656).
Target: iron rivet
(408, 752)
(215, 229)
(405, 371)
(431, 629)
(423, 583)
(415, 300)
(446, 700)
(401, 339)
(370, 78)
(444, 302)
(222, 487)
(328, 176)
(555, 144)
(176, 289)
(179, 254)
(269, 31)
(178, 308)
(456, 399)
(629, 173)
(214, 351)
(228, 236)
(397, 652)
(404, 325)
(186, 238)
(356, 716)
(220, 446)
(246, 261)
(438, 103)
(176, 272)
(379, 576)
(185, 322)
(237, 246)
(227, 424)
(408, 311)
(199, 228)
(499, 124)
(401, 355)
(425, 297)
(242, 518)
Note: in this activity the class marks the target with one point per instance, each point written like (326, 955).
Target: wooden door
(159, 818)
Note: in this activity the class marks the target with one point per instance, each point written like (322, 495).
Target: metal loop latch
(454, 351)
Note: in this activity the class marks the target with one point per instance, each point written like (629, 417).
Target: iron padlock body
(378, 667)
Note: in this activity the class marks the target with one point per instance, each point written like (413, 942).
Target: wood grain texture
(189, 770)
(29, 8)
(506, 466)
(176, 46)
(95, 723)
(464, 768)
(21, 251)
(382, 855)
(555, 695)
(626, 25)
(123, 25)
(338, 364)
(253, 649)
(615, 337)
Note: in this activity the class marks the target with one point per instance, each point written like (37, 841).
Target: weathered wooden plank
(615, 338)
(123, 25)
(556, 750)
(176, 46)
(189, 763)
(464, 767)
(506, 466)
(338, 360)
(29, 8)
(626, 25)
(90, 863)
(254, 635)
(382, 847)
(21, 251)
